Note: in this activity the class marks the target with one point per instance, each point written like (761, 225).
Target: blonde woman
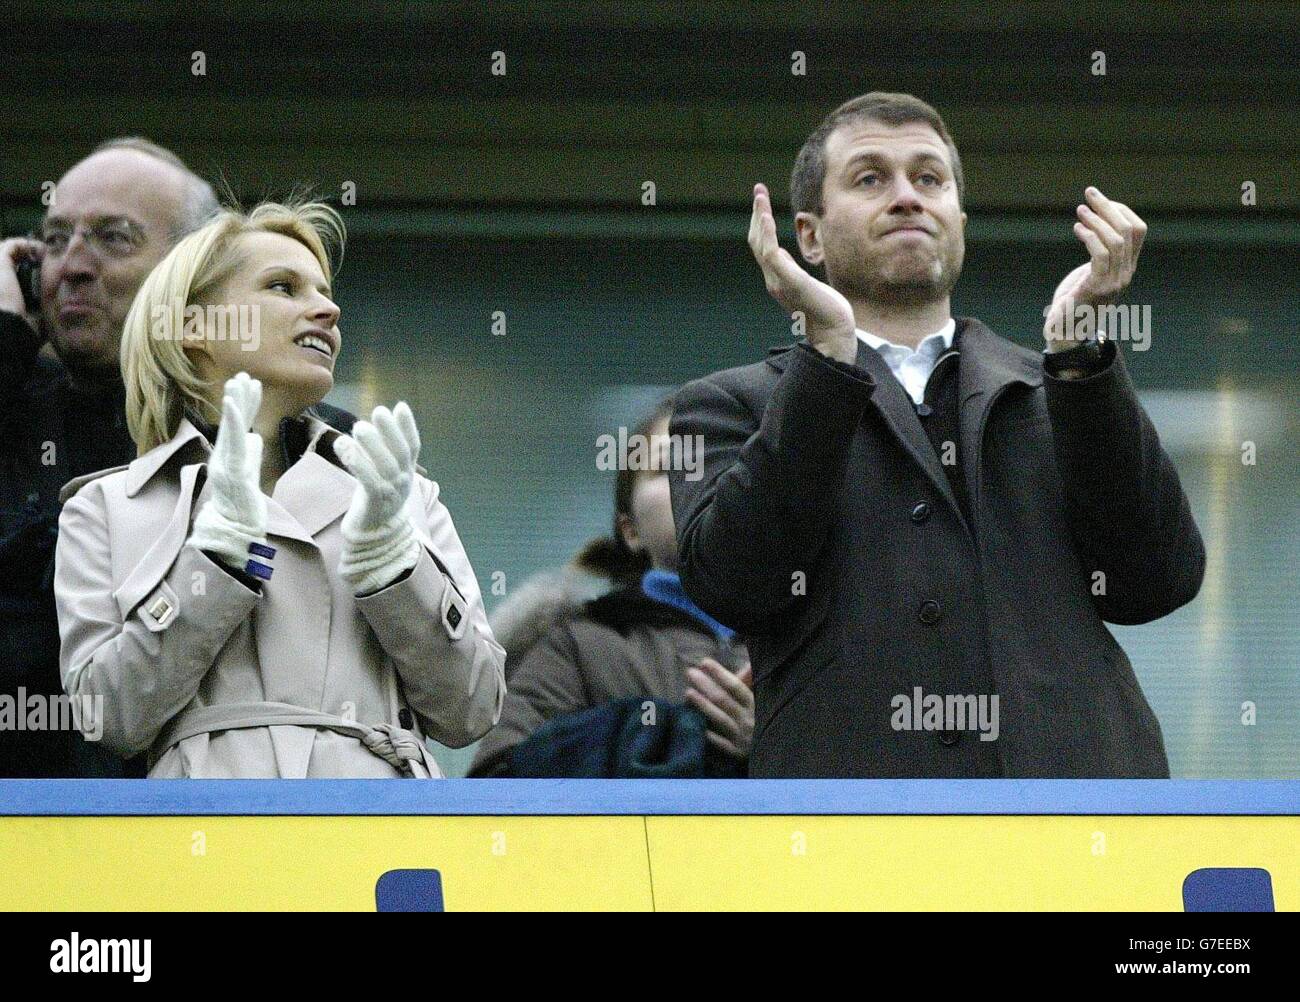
(303, 609)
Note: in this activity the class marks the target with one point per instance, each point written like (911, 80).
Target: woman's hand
(725, 699)
(234, 518)
(379, 542)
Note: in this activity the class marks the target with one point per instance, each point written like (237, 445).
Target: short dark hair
(809, 174)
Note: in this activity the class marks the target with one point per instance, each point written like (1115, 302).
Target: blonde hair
(161, 383)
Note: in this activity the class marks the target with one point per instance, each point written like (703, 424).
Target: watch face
(1078, 349)
(1085, 355)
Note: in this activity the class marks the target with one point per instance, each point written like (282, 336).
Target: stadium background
(522, 194)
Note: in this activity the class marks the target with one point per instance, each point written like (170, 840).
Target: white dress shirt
(913, 368)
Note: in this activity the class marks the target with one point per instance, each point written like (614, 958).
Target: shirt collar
(933, 345)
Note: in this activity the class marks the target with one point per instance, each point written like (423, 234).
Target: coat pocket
(779, 688)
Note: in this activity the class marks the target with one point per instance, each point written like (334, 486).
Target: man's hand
(828, 315)
(1113, 234)
(725, 700)
(12, 251)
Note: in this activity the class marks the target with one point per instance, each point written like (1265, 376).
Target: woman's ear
(194, 340)
(627, 531)
(200, 361)
(196, 353)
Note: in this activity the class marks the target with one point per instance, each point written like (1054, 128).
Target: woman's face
(652, 511)
(281, 325)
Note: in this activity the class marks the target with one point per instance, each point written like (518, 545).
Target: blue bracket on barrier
(1228, 889)
(409, 891)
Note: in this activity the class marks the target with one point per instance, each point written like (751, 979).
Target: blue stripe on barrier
(31, 797)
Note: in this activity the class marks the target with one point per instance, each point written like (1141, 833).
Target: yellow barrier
(637, 862)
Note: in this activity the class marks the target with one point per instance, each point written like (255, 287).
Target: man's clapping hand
(1113, 234)
(828, 315)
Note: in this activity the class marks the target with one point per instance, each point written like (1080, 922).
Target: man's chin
(921, 284)
(85, 348)
(913, 289)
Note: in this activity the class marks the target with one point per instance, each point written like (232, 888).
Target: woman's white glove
(234, 517)
(379, 541)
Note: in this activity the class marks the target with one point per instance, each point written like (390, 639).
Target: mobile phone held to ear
(29, 278)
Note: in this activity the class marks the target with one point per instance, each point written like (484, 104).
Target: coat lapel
(158, 559)
(899, 413)
(142, 470)
(312, 493)
(988, 364)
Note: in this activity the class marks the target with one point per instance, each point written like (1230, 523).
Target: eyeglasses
(110, 237)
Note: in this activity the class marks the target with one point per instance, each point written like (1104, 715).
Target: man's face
(113, 218)
(891, 229)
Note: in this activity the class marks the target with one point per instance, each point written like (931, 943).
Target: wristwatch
(1088, 357)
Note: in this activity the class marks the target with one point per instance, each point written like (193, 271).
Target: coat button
(929, 612)
(949, 738)
(920, 512)
(404, 718)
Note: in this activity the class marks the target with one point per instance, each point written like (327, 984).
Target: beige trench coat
(303, 680)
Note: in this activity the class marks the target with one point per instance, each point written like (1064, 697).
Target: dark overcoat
(825, 529)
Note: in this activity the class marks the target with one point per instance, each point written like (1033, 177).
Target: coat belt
(401, 748)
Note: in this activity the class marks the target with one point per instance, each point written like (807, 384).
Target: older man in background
(112, 218)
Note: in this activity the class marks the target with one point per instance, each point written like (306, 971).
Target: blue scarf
(666, 587)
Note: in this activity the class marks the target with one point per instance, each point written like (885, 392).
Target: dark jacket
(825, 528)
(619, 646)
(632, 738)
(50, 433)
